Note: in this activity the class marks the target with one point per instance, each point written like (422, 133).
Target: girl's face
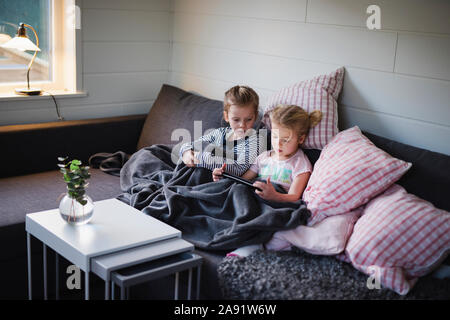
(285, 142)
(240, 118)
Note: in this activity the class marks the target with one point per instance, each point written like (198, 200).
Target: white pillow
(328, 237)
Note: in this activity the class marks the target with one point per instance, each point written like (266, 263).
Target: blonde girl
(286, 164)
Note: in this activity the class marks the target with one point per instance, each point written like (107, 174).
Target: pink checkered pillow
(319, 93)
(399, 238)
(350, 171)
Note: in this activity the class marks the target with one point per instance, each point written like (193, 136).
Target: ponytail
(295, 117)
(314, 118)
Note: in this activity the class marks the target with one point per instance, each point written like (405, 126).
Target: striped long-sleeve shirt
(214, 149)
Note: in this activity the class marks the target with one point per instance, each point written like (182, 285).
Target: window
(13, 63)
(55, 66)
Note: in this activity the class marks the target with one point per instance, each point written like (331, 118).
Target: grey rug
(299, 275)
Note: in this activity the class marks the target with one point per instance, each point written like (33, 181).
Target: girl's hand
(217, 173)
(189, 158)
(268, 190)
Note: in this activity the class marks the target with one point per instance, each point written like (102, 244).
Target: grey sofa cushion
(175, 108)
(39, 191)
(429, 176)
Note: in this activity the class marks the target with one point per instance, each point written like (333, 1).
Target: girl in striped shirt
(237, 145)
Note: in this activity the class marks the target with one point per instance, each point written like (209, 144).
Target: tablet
(240, 180)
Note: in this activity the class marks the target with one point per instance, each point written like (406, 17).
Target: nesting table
(121, 245)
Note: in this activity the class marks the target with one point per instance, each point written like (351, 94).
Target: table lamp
(21, 42)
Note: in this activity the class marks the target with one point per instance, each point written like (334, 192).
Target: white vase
(74, 212)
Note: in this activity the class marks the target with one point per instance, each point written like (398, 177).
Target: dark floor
(16, 289)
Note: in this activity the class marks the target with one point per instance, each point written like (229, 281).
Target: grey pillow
(175, 108)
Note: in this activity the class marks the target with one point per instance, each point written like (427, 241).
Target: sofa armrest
(32, 148)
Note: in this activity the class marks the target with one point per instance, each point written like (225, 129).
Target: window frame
(65, 66)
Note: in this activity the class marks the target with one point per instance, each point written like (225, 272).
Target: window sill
(4, 97)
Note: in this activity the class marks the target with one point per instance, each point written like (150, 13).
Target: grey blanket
(219, 215)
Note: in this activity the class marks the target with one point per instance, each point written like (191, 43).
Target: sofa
(30, 181)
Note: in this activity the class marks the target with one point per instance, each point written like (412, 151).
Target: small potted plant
(75, 207)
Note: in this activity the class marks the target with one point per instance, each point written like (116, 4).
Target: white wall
(397, 81)
(125, 55)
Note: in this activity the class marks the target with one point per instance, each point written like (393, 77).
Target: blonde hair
(295, 118)
(241, 96)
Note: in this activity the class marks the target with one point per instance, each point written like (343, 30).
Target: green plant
(75, 176)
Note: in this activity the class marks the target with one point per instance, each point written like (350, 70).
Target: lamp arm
(35, 53)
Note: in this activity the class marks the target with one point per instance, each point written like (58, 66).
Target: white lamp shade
(21, 43)
(4, 38)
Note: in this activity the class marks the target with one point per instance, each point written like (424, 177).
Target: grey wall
(125, 57)
(397, 81)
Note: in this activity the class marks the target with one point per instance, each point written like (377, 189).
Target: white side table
(144, 263)
(115, 226)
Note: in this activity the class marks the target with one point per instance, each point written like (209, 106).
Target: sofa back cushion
(429, 176)
(175, 108)
(31, 148)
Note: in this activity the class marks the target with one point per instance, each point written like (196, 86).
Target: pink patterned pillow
(319, 93)
(350, 171)
(400, 237)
